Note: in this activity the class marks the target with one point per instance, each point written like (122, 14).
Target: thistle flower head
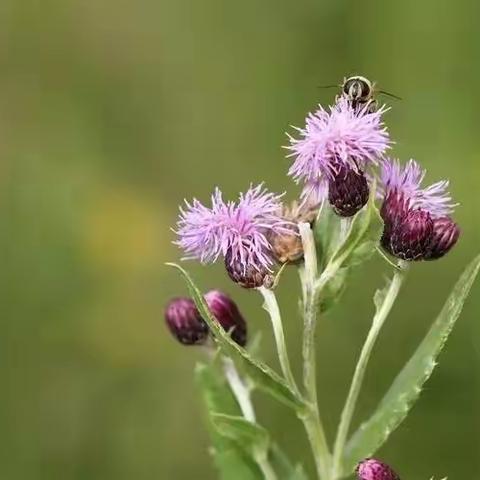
(372, 469)
(417, 221)
(235, 230)
(355, 137)
(404, 185)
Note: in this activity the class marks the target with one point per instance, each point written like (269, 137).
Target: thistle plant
(355, 202)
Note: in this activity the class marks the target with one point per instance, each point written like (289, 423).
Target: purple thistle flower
(417, 221)
(237, 231)
(405, 182)
(353, 137)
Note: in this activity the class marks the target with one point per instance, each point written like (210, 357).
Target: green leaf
(263, 376)
(327, 233)
(284, 467)
(406, 388)
(251, 435)
(232, 461)
(359, 244)
(333, 290)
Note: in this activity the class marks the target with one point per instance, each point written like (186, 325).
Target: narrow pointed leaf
(406, 388)
(262, 375)
(251, 435)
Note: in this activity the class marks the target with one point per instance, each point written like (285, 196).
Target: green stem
(241, 393)
(348, 410)
(271, 306)
(265, 467)
(240, 390)
(312, 420)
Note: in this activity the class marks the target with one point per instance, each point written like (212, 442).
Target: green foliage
(362, 236)
(337, 257)
(262, 375)
(254, 437)
(327, 234)
(406, 388)
(231, 459)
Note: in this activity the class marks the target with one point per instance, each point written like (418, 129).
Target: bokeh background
(111, 112)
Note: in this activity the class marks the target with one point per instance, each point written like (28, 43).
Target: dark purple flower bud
(184, 321)
(347, 190)
(228, 315)
(247, 275)
(372, 469)
(444, 237)
(409, 237)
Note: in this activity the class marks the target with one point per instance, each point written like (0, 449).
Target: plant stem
(312, 420)
(271, 306)
(348, 410)
(265, 467)
(241, 393)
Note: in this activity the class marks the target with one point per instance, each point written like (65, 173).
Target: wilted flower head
(417, 220)
(235, 230)
(372, 469)
(344, 135)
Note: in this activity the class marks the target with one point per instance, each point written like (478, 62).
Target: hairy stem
(271, 306)
(348, 410)
(312, 420)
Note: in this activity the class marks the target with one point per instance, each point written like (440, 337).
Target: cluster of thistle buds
(188, 327)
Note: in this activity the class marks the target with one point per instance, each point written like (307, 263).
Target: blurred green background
(112, 112)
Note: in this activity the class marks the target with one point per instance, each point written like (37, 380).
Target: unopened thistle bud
(410, 237)
(247, 275)
(444, 237)
(372, 469)
(185, 323)
(347, 190)
(228, 315)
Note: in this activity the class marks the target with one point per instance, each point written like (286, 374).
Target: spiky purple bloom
(372, 469)
(417, 220)
(343, 135)
(184, 321)
(225, 310)
(235, 230)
